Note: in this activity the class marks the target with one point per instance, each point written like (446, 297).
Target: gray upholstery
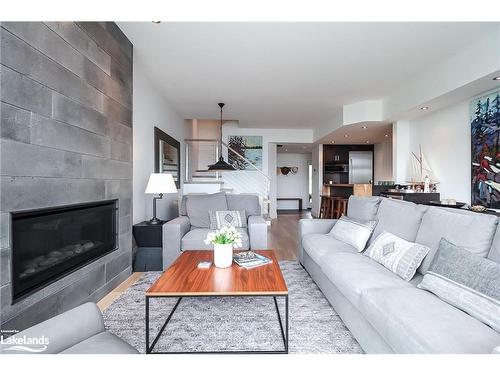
(199, 206)
(318, 245)
(77, 329)
(363, 208)
(102, 343)
(385, 313)
(414, 321)
(173, 231)
(474, 232)
(248, 202)
(399, 217)
(181, 233)
(354, 274)
(365, 334)
(310, 226)
(257, 230)
(194, 239)
(494, 253)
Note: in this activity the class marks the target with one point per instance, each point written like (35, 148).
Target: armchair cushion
(248, 202)
(102, 343)
(199, 206)
(195, 239)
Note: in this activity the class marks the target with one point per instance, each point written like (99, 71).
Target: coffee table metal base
(283, 329)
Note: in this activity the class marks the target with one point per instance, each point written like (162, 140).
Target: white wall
(273, 186)
(445, 139)
(270, 137)
(382, 161)
(401, 151)
(150, 110)
(293, 185)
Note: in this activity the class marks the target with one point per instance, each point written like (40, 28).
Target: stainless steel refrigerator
(360, 167)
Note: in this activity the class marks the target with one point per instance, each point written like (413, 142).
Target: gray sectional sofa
(189, 230)
(385, 313)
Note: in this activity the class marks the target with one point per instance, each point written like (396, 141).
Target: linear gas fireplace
(47, 244)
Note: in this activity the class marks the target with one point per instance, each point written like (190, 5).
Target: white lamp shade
(161, 183)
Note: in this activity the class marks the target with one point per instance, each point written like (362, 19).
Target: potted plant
(224, 240)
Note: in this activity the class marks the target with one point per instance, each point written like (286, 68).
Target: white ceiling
(289, 75)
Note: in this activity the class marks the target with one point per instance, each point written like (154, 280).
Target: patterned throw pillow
(398, 255)
(353, 232)
(219, 219)
(467, 281)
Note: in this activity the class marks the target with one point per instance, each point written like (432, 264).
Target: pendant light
(221, 165)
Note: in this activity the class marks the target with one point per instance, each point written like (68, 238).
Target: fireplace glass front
(48, 244)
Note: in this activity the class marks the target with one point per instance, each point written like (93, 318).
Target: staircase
(200, 153)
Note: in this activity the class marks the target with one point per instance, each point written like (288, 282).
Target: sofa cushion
(494, 253)
(353, 232)
(411, 320)
(195, 239)
(102, 343)
(219, 219)
(318, 245)
(363, 208)
(400, 218)
(248, 202)
(198, 207)
(470, 230)
(467, 281)
(400, 256)
(353, 274)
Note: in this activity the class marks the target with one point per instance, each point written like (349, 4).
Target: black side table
(149, 241)
(148, 235)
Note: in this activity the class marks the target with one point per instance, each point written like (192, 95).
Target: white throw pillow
(353, 232)
(396, 254)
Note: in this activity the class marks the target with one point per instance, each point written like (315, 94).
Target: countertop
(344, 185)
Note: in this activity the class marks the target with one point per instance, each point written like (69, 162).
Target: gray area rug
(233, 323)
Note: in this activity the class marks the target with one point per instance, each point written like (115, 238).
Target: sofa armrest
(173, 231)
(257, 232)
(312, 226)
(65, 330)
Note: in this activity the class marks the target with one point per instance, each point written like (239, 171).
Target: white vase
(223, 255)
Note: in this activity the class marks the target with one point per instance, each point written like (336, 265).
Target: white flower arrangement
(224, 236)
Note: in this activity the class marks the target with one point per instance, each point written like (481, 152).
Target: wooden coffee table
(184, 279)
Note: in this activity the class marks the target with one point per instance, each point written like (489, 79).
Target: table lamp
(159, 183)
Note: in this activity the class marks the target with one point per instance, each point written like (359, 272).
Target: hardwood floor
(282, 237)
(283, 234)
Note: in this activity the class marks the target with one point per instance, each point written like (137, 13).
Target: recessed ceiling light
(496, 78)
(346, 135)
(156, 21)
(364, 127)
(387, 135)
(333, 142)
(367, 141)
(425, 108)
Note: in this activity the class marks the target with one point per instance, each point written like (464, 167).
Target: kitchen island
(346, 190)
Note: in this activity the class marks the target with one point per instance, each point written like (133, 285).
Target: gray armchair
(77, 331)
(189, 230)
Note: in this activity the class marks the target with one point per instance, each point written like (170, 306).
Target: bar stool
(333, 206)
(340, 207)
(326, 209)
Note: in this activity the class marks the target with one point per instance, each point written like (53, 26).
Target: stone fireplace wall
(66, 137)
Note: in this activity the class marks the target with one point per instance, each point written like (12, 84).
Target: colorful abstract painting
(249, 147)
(485, 137)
